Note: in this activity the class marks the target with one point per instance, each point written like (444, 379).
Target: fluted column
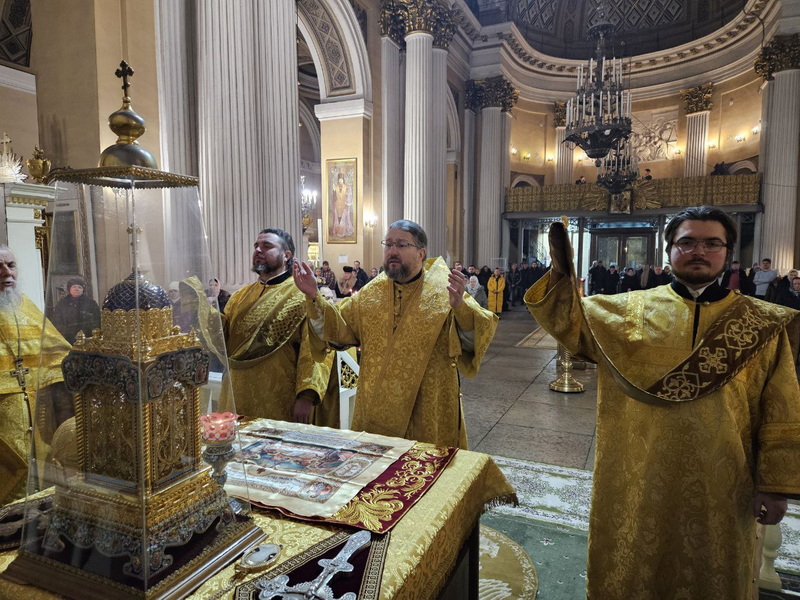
(392, 113)
(780, 172)
(564, 162)
(779, 64)
(176, 31)
(418, 181)
(391, 126)
(468, 185)
(249, 172)
(437, 231)
(496, 96)
(698, 103)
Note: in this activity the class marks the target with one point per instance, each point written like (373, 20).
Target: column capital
(560, 109)
(782, 53)
(429, 16)
(491, 92)
(698, 99)
(392, 21)
(444, 28)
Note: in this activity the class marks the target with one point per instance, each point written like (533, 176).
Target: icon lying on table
(317, 589)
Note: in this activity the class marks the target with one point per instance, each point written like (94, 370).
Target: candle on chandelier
(218, 427)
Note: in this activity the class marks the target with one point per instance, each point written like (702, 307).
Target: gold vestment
(411, 354)
(15, 414)
(266, 336)
(674, 481)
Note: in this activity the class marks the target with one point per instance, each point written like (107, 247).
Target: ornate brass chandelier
(598, 118)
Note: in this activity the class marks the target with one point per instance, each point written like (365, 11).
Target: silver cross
(318, 588)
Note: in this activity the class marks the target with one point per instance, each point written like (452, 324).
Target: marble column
(249, 149)
(780, 171)
(418, 163)
(468, 187)
(490, 186)
(176, 38)
(564, 159)
(437, 228)
(696, 144)
(391, 128)
(496, 96)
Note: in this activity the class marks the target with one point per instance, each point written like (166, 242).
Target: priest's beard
(698, 278)
(396, 271)
(10, 297)
(276, 267)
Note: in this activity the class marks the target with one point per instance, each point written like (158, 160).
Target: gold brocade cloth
(424, 545)
(674, 481)
(311, 472)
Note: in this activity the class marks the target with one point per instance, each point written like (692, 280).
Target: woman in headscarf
(475, 289)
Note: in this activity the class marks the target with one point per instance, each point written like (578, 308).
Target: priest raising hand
(417, 333)
(698, 417)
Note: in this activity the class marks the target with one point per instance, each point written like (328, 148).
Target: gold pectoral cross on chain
(19, 372)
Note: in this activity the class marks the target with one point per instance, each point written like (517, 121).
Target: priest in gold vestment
(417, 331)
(272, 373)
(21, 373)
(698, 418)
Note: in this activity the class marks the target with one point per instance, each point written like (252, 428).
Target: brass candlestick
(566, 383)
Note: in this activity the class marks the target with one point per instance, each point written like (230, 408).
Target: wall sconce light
(549, 158)
(711, 145)
(756, 130)
(526, 156)
(739, 139)
(677, 151)
(514, 150)
(370, 220)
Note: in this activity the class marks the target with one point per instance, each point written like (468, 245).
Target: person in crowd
(656, 278)
(495, 286)
(476, 291)
(526, 278)
(597, 277)
(648, 175)
(514, 284)
(790, 296)
(329, 276)
(76, 312)
(716, 451)
(483, 276)
(346, 282)
(780, 285)
(31, 379)
(581, 180)
(361, 276)
(630, 281)
(763, 277)
(183, 318)
(734, 278)
(373, 273)
(458, 266)
(416, 317)
(216, 293)
(611, 283)
(266, 338)
(537, 270)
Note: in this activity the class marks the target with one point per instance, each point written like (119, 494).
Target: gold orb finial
(128, 126)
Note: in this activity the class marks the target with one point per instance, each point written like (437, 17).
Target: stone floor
(511, 411)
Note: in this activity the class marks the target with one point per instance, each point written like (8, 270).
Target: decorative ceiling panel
(538, 14)
(15, 32)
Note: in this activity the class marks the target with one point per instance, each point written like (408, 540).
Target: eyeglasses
(399, 245)
(711, 246)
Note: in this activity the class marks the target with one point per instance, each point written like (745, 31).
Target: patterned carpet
(506, 570)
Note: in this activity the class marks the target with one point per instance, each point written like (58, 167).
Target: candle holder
(218, 431)
(566, 383)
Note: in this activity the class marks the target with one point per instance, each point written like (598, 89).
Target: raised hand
(560, 250)
(456, 283)
(304, 278)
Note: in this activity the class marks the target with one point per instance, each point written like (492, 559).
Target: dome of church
(559, 27)
(123, 295)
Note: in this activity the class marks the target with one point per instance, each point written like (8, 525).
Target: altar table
(424, 546)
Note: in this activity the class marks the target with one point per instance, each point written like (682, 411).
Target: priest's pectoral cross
(19, 372)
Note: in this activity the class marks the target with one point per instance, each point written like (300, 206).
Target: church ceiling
(559, 27)
(15, 32)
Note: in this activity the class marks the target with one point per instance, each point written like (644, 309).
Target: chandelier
(598, 118)
(308, 200)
